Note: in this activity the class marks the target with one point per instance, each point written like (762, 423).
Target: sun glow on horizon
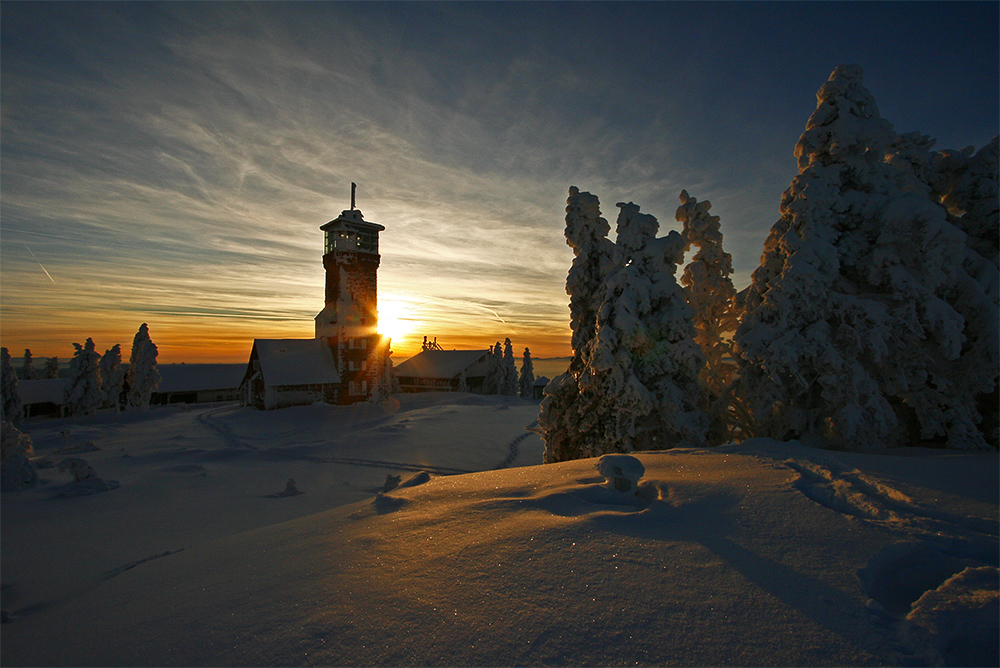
(396, 320)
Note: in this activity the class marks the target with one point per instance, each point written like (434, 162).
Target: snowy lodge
(336, 366)
(444, 371)
(179, 384)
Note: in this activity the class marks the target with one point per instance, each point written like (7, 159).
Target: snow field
(760, 554)
(191, 474)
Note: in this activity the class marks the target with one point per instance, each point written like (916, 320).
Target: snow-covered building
(538, 389)
(444, 371)
(346, 328)
(43, 397)
(290, 372)
(198, 383)
(179, 384)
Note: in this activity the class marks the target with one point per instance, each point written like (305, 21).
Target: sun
(395, 320)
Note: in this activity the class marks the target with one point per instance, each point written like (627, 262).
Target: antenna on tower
(354, 188)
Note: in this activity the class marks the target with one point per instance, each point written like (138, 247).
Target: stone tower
(349, 320)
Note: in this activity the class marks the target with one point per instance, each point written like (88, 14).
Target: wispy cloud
(173, 162)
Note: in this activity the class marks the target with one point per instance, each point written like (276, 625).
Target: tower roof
(352, 219)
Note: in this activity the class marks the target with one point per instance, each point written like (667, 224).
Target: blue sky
(171, 163)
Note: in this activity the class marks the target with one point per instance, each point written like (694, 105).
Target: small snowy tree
(28, 367)
(83, 392)
(143, 378)
(383, 379)
(560, 416)
(16, 469)
(112, 376)
(493, 382)
(848, 325)
(711, 295)
(526, 380)
(11, 400)
(508, 379)
(463, 386)
(51, 369)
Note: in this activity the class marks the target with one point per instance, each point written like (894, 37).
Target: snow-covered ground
(759, 554)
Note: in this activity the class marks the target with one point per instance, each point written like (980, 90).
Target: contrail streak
(40, 264)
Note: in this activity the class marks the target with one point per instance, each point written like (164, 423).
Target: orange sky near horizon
(196, 340)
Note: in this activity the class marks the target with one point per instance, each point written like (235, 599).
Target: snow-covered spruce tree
(51, 368)
(463, 386)
(526, 380)
(493, 381)
(83, 394)
(644, 362)
(16, 469)
(975, 201)
(966, 182)
(112, 377)
(142, 376)
(28, 367)
(847, 326)
(12, 409)
(586, 233)
(711, 295)
(973, 197)
(508, 381)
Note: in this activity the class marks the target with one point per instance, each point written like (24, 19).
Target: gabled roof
(296, 361)
(439, 363)
(198, 377)
(42, 391)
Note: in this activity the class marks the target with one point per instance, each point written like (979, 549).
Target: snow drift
(759, 554)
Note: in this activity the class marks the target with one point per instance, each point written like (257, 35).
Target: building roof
(296, 361)
(199, 377)
(351, 218)
(439, 363)
(42, 391)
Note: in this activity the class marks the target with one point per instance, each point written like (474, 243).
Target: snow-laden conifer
(28, 367)
(966, 183)
(508, 379)
(526, 379)
(112, 376)
(848, 325)
(16, 469)
(633, 385)
(644, 362)
(711, 295)
(10, 401)
(974, 198)
(142, 378)
(51, 368)
(83, 394)
(493, 382)
(561, 414)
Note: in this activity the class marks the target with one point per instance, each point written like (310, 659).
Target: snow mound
(290, 490)
(621, 472)
(959, 619)
(85, 480)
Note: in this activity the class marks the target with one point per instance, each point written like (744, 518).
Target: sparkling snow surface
(759, 554)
